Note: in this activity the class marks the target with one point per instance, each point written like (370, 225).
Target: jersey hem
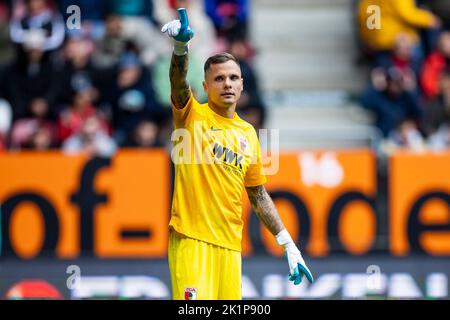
(189, 235)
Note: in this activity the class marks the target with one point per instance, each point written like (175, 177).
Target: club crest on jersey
(190, 293)
(243, 144)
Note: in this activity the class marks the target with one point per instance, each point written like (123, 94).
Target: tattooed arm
(181, 33)
(263, 205)
(264, 208)
(179, 87)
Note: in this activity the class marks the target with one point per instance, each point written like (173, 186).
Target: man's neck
(224, 112)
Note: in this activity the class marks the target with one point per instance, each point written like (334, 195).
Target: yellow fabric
(397, 16)
(213, 272)
(207, 200)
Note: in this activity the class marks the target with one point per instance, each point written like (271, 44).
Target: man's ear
(205, 86)
(242, 84)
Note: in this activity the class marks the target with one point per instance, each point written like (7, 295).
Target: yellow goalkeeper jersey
(215, 158)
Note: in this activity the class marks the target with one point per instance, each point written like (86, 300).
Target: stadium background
(370, 210)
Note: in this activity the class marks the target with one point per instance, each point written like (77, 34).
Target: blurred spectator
(406, 135)
(71, 119)
(133, 97)
(76, 61)
(36, 131)
(60, 82)
(440, 140)
(397, 17)
(250, 106)
(91, 140)
(437, 112)
(144, 135)
(251, 94)
(6, 48)
(33, 134)
(254, 114)
(204, 44)
(5, 122)
(435, 65)
(111, 45)
(203, 47)
(38, 15)
(392, 99)
(161, 81)
(402, 56)
(137, 31)
(31, 78)
(230, 17)
(146, 38)
(139, 27)
(77, 67)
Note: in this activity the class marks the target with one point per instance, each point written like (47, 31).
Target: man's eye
(219, 79)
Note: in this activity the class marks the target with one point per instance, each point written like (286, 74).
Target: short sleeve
(255, 174)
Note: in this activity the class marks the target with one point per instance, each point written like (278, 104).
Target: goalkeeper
(206, 225)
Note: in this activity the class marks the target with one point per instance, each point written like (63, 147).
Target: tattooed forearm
(178, 84)
(264, 208)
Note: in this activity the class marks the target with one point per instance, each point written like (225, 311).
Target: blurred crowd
(95, 77)
(408, 49)
(92, 76)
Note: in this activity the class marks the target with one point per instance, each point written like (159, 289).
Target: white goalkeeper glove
(297, 266)
(180, 31)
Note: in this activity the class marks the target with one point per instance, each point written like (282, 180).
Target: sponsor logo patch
(190, 293)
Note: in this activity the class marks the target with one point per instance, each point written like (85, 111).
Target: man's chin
(227, 102)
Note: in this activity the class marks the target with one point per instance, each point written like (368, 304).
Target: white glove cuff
(283, 238)
(180, 48)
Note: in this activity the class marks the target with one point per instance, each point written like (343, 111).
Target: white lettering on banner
(274, 286)
(143, 286)
(437, 285)
(325, 171)
(248, 288)
(358, 285)
(293, 291)
(323, 287)
(99, 286)
(355, 285)
(126, 286)
(402, 285)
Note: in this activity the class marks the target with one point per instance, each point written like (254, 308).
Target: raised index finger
(182, 14)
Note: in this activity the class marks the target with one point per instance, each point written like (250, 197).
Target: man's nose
(227, 82)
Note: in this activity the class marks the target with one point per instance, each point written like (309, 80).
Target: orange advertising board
(420, 203)
(325, 200)
(68, 205)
